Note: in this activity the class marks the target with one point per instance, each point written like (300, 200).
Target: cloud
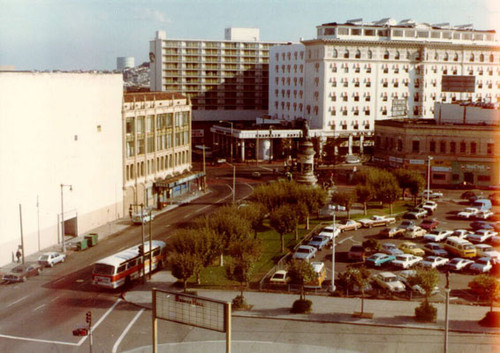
(145, 14)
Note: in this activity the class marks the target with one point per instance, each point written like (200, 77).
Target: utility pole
(22, 236)
(204, 171)
(446, 314)
(63, 230)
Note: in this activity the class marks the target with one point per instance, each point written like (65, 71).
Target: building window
(358, 54)
(490, 148)
(400, 145)
(442, 146)
(415, 146)
(386, 55)
(346, 54)
(432, 146)
(473, 147)
(453, 147)
(438, 177)
(462, 147)
(483, 178)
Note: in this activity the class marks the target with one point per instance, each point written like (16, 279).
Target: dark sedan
(21, 273)
(485, 225)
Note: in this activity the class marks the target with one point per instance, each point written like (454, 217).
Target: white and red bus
(116, 270)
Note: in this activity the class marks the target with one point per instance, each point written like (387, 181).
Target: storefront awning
(177, 180)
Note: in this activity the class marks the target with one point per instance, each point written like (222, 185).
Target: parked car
(467, 213)
(429, 224)
(486, 250)
(482, 204)
(388, 281)
(415, 232)
(145, 217)
(391, 249)
(349, 225)
(319, 241)
(305, 252)
(356, 253)
(405, 261)
(461, 233)
(375, 221)
(467, 195)
(430, 206)
(437, 235)
(405, 224)
(22, 272)
(481, 236)
(51, 259)
(482, 225)
(484, 214)
(458, 264)
(352, 159)
(379, 259)
(415, 213)
(431, 194)
(330, 232)
(434, 261)
(405, 275)
(391, 232)
(435, 249)
(280, 277)
(482, 265)
(411, 248)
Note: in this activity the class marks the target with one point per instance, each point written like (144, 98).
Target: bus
(120, 268)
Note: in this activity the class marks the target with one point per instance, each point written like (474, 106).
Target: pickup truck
(375, 221)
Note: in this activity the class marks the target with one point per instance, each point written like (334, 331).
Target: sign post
(191, 310)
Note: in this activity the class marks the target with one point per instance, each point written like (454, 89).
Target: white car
(461, 233)
(458, 264)
(484, 214)
(432, 194)
(51, 258)
(330, 232)
(467, 213)
(430, 206)
(485, 250)
(305, 252)
(349, 225)
(280, 277)
(481, 235)
(375, 221)
(146, 217)
(437, 235)
(482, 265)
(405, 261)
(414, 232)
(388, 281)
(434, 261)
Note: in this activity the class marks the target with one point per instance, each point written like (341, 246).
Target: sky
(91, 34)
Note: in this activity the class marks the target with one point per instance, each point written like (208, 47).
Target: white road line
(53, 300)
(38, 340)
(250, 186)
(129, 326)
(343, 240)
(203, 208)
(39, 307)
(59, 279)
(17, 301)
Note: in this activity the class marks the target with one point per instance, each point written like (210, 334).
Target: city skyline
(89, 34)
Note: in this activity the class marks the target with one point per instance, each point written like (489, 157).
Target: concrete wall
(58, 128)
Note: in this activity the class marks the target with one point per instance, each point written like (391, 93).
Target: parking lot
(448, 206)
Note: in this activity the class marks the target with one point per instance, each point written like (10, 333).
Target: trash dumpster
(92, 239)
(82, 244)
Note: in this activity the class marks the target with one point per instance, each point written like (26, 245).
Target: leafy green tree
(314, 198)
(282, 220)
(243, 254)
(184, 265)
(427, 279)
(345, 199)
(357, 277)
(300, 273)
(411, 180)
(487, 286)
(255, 214)
(389, 193)
(364, 193)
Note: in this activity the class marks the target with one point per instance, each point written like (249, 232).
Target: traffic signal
(89, 317)
(81, 332)
(141, 250)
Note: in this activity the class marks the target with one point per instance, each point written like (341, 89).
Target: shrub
(302, 306)
(491, 319)
(239, 303)
(426, 312)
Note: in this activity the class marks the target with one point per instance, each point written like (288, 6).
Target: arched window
(386, 55)
(334, 54)
(370, 54)
(346, 54)
(358, 54)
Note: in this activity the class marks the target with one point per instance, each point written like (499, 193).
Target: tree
(409, 179)
(364, 193)
(389, 193)
(357, 277)
(487, 286)
(314, 198)
(427, 279)
(300, 273)
(243, 256)
(282, 220)
(345, 199)
(254, 213)
(184, 265)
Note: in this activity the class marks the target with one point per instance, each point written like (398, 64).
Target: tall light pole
(333, 208)
(231, 140)
(429, 159)
(63, 230)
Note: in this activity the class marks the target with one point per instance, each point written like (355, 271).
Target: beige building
(156, 148)
(456, 153)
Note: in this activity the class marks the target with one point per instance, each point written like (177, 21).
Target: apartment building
(224, 79)
(459, 146)
(356, 73)
(61, 144)
(157, 149)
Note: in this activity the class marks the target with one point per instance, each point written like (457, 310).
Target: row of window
(442, 147)
(151, 166)
(142, 124)
(164, 141)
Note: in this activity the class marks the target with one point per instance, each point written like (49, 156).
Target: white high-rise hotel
(357, 72)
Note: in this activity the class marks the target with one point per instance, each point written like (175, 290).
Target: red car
(429, 224)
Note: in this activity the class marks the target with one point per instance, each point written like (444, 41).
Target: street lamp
(429, 159)
(230, 122)
(63, 230)
(333, 208)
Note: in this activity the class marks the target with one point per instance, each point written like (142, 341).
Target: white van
(460, 247)
(320, 270)
(482, 204)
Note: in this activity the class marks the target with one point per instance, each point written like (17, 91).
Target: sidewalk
(388, 313)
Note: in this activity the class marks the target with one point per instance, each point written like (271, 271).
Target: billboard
(399, 107)
(458, 83)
